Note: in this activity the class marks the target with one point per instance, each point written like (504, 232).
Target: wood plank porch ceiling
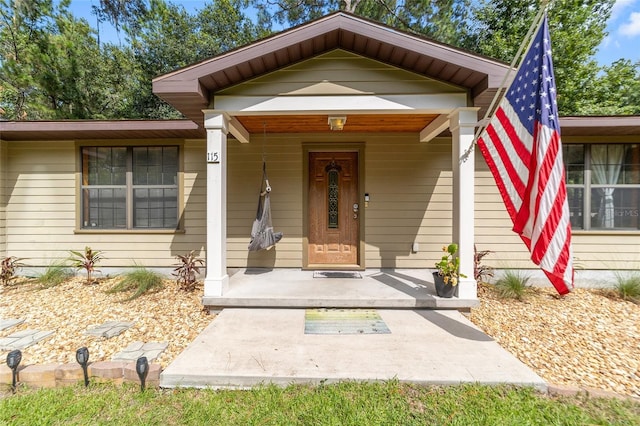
(361, 123)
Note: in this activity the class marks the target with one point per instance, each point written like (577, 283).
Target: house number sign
(213, 157)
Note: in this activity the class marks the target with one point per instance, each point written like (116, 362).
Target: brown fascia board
(494, 70)
(628, 125)
(91, 129)
(600, 121)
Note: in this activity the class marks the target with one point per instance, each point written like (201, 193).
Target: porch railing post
(462, 125)
(216, 282)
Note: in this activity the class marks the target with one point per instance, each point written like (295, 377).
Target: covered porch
(408, 109)
(297, 288)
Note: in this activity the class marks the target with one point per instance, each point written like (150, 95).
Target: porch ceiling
(190, 89)
(360, 123)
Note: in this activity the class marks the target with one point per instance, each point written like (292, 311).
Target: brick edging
(55, 375)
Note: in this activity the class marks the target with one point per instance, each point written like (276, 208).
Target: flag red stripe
(506, 198)
(514, 177)
(517, 143)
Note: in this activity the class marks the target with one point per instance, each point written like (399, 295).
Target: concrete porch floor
(295, 288)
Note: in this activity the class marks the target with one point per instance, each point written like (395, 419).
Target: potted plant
(448, 272)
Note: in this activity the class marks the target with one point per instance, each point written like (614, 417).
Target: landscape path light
(142, 368)
(13, 361)
(82, 356)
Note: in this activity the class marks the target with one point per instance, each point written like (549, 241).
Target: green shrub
(140, 280)
(54, 275)
(512, 285)
(628, 286)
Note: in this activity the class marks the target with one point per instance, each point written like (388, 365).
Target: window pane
(104, 165)
(155, 165)
(607, 163)
(631, 167)
(104, 208)
(573, 156)
(575, 198)
(155, 208)
(615, 208)
(333, 191)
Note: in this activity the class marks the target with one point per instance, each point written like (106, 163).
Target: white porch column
(216, 282)
(462, 125)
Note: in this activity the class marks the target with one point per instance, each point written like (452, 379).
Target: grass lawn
(346, 403)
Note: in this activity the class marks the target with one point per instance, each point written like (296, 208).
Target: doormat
(344, 321)
(336, 274)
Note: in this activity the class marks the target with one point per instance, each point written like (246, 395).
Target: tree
(442, 20)
(614, 92)
(576, 27)
(51, 66)
(170, 38)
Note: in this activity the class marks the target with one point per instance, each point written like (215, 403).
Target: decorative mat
(344, 321)
(336, 274)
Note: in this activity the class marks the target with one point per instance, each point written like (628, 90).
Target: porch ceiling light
(337, 123)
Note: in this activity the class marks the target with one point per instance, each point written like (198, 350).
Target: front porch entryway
(296, 288)
(334, 210)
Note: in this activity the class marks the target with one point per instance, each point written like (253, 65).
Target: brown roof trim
(99, 129)
(619, 125)
(188, 89)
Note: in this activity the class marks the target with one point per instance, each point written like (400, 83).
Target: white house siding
(42, 199)
(350, 73)
(3, 201)
(593, 250)
(283, 154)
(411, 201)
(410, 197)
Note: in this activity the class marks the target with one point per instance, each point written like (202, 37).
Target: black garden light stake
(13, 361)
(82, 356)
(142, 368)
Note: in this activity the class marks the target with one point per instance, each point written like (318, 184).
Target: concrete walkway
(246, 347)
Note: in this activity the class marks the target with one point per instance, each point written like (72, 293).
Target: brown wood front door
(334, 212)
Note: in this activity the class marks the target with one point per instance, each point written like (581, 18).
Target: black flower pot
(442, 289)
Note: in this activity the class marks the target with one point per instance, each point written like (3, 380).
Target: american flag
(522, 147)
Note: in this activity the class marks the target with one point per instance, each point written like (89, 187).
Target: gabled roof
(190, 89)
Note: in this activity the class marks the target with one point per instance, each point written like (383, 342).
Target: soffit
(361, 123)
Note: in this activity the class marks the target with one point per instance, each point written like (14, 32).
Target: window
(603, 180)
(130, 187)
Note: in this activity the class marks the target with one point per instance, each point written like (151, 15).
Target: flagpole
(528, 39)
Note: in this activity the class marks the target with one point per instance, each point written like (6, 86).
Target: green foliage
(481, 272)
(344, 403)
(10, 266)
(512, 285)
(140, 280)
(54, 275)
(86, 260)
(53, 66)
(187, 270)
(449, 265)
(577, 29)
(616, 91)
(628, 286)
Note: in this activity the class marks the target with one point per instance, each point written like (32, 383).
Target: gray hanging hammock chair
(262, 234)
